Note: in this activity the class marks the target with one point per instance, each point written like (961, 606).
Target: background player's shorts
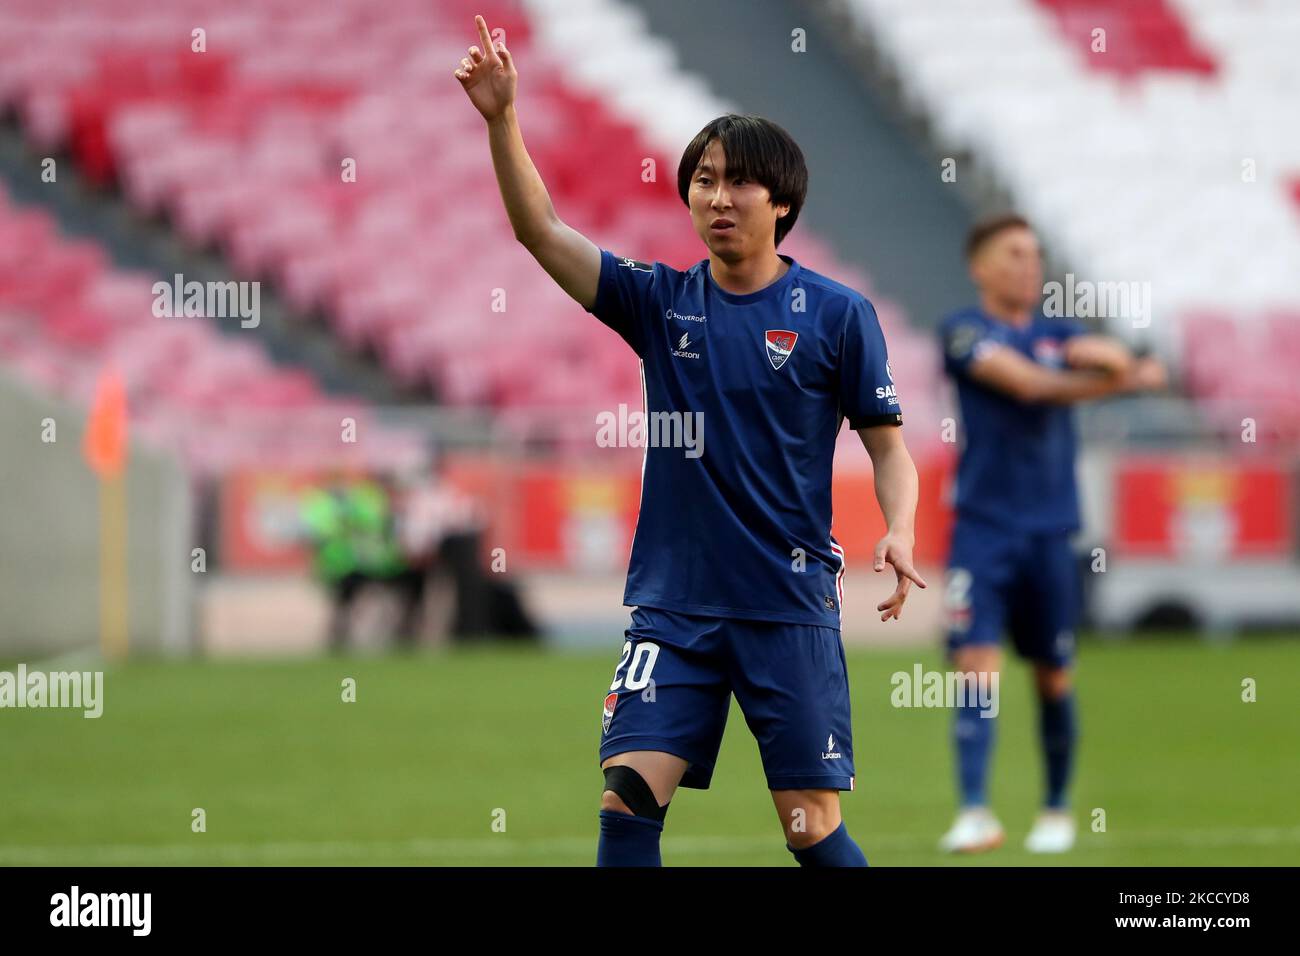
(1025, 584)
(673, 685)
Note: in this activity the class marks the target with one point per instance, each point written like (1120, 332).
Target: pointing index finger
(485, 38)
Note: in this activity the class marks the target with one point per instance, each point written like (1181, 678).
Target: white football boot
(975, 830)
(1053, 832)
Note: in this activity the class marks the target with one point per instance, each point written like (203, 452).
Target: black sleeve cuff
(870, 421)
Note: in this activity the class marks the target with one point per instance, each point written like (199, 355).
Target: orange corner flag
(105, 442)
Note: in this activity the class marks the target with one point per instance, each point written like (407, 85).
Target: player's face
(734, 216)
(1010, 268)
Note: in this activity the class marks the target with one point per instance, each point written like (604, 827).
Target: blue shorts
(1024, 584)
(674, 680)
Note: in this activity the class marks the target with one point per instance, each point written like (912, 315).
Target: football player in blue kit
(734, 576)
(1010, 565)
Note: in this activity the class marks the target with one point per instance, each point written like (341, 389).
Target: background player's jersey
(772, 375)
(1017, 458)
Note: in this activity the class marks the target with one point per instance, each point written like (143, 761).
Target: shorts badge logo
(780, 343)
(830, 753)
(608, 713)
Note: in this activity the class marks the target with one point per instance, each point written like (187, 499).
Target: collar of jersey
(776, 288)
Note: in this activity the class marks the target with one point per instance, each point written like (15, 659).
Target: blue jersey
(740, 526)
(1017, 459)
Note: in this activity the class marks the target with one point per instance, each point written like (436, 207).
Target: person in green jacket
(350, 525)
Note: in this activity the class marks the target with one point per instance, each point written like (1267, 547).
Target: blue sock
(1058, 731)
(626, 840)
(972, 737)
(837, 849)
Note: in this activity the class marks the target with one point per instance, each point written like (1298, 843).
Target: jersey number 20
(643, 660)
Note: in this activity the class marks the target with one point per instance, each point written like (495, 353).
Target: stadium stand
(1102, 148)
(217, 402)
(242, 147)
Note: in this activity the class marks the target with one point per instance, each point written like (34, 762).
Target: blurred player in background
(734, 574)
(1011, 566)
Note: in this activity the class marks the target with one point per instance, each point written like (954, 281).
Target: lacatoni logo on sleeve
(82, 690)
(76, 908)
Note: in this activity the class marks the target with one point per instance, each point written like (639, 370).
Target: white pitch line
(504, 846)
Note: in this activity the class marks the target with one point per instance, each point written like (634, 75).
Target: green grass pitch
(443, 750)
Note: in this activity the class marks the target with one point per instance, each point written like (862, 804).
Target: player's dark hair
(756, 149)
(986, 229)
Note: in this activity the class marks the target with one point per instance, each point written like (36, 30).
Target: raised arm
(488, 77)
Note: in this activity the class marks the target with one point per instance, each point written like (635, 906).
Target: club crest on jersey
(780, 343)
(608, 713)
(1049, 352)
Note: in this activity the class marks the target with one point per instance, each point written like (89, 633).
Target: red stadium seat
(242, 146)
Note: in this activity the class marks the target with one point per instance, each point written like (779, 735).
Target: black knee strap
(632, 789)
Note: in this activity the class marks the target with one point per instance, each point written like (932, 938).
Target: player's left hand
(896, 550)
